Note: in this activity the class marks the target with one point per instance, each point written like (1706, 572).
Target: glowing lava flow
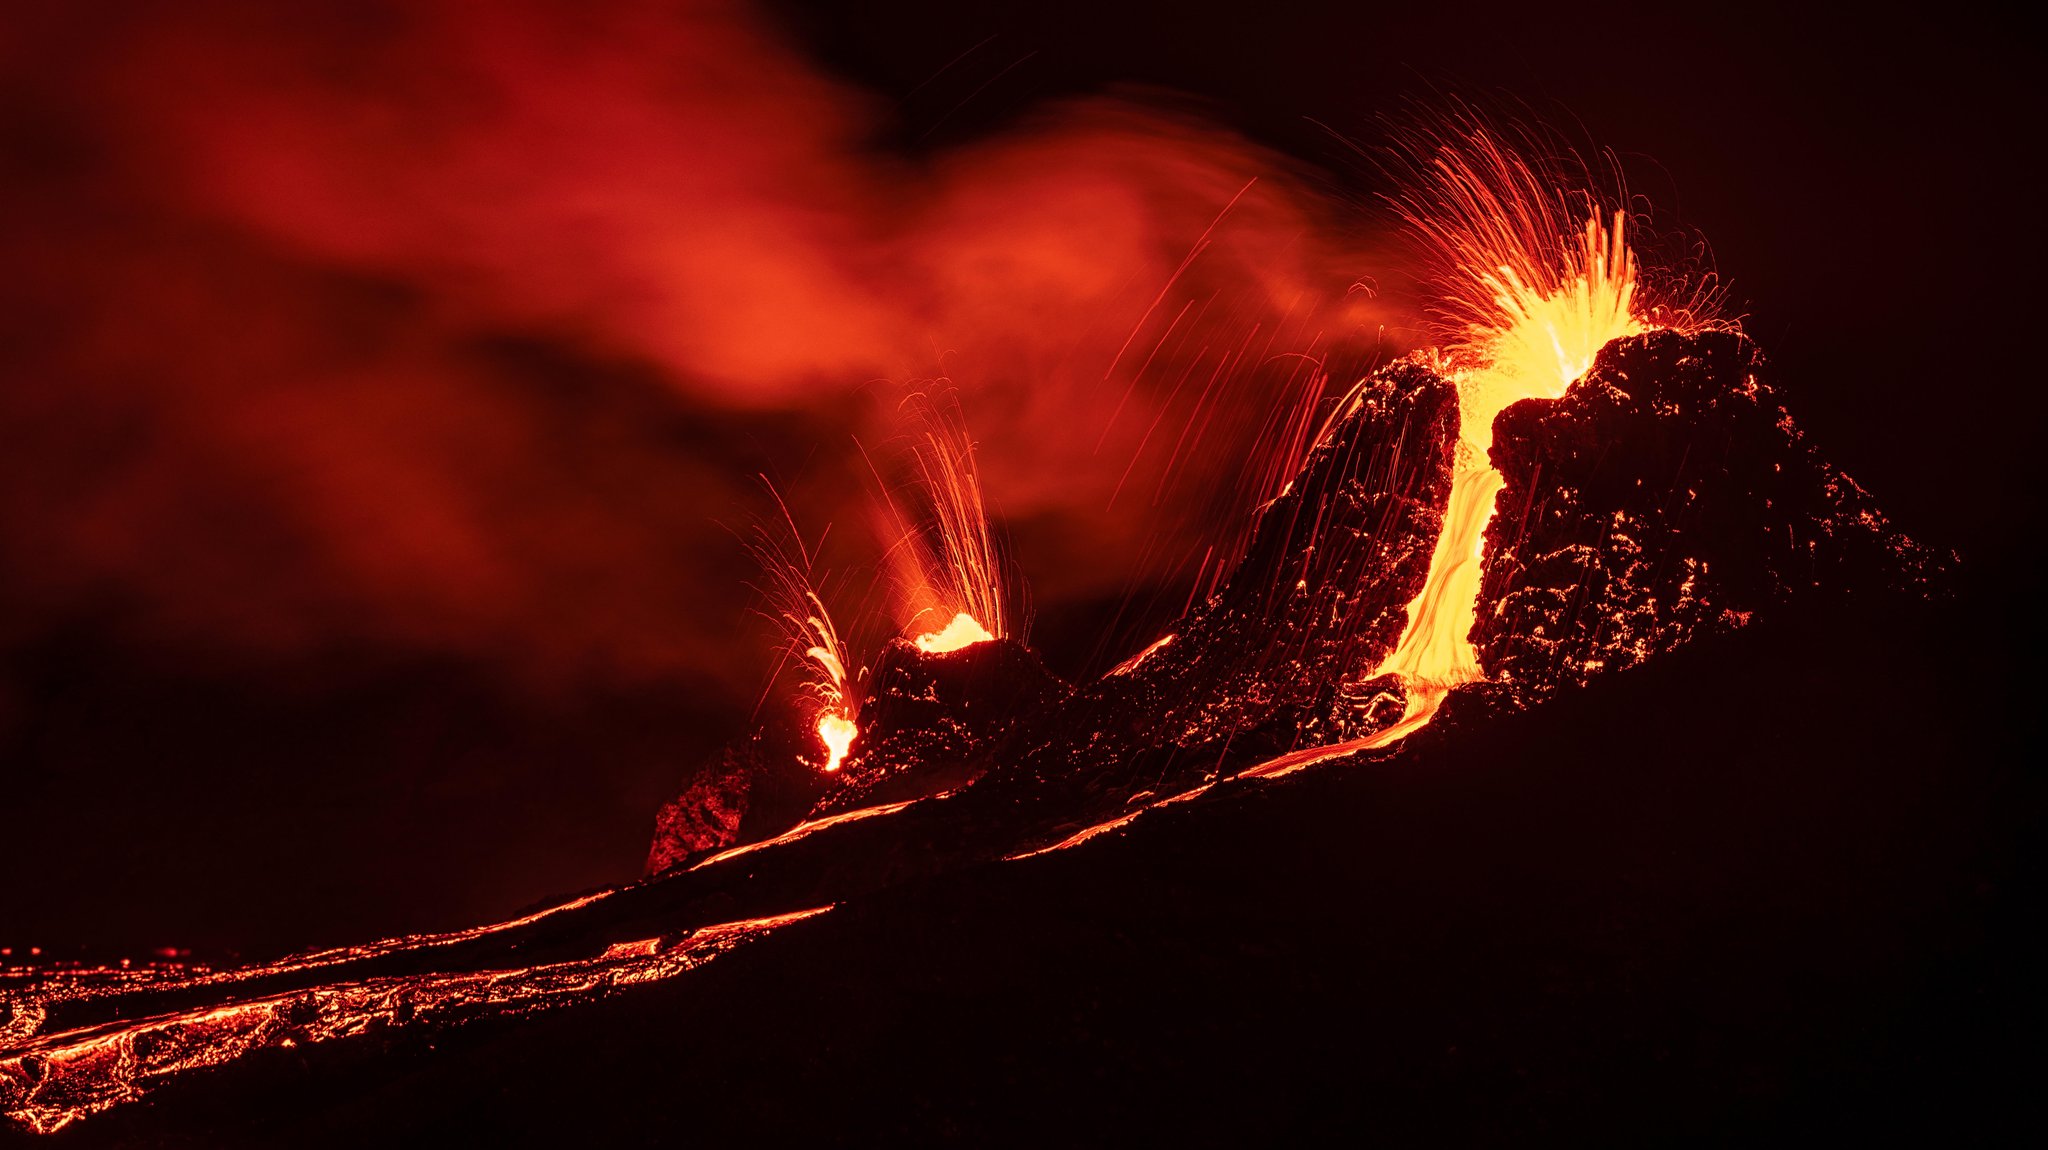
(1102, 828)
(806, 829)
(1531, 299)
(53, 1080)
(1544, 334)
(1534, 280)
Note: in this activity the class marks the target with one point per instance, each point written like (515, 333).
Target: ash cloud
(452, 327)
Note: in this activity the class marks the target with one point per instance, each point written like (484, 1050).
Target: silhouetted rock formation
(931, 721)
(706, 817)
(1666, 495)
(1278, 658)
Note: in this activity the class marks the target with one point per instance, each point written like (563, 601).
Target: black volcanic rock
(706, 817)
(1322, 592)
(756, 787)
(1666, 495)
(1279, 657)
(930, 723)
(932, 719)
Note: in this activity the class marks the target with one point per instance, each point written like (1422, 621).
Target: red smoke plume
(451, 326)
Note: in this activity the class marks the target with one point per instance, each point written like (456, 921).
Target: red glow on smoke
(350, 330)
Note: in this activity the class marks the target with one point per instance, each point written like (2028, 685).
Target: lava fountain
(950, 568)
(1534, 280)
(808, 633)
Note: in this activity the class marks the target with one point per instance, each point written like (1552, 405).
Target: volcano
(1718, 683)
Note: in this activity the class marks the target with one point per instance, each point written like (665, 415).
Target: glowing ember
(963, 631)
(837, 731)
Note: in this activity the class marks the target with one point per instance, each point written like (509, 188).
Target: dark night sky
(376, 377)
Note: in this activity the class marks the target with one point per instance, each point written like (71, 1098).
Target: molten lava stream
(54, 1080)
(1537, 320)
(1534, 323)
(1435, 652)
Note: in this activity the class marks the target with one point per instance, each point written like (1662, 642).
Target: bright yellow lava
(837, 731)
(963, 631)
(1541, 333)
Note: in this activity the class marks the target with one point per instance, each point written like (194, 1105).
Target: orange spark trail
(1538, 307)
(807, 631)
(1546, 324)
(1534, 279)
(951, 569)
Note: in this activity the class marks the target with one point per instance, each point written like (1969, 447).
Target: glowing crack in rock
(55, 1080)
(806, 829)
(336, 956)
(1138, 660)
(1083, 835)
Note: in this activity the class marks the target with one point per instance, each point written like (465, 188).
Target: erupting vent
(963, 631)
(1590, 469)
(1536, 280)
